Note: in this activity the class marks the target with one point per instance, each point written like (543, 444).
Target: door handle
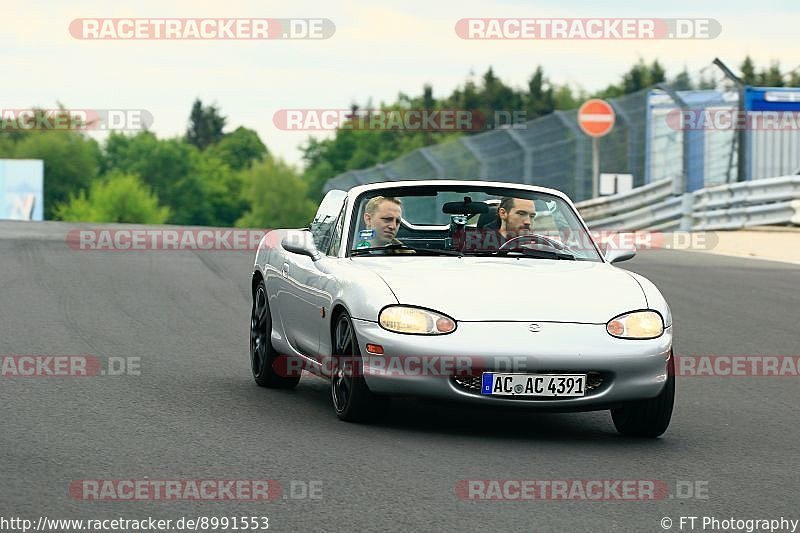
(285, 270)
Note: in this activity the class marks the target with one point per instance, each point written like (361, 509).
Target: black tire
(648, 418)
(262, 354)
(352, 399)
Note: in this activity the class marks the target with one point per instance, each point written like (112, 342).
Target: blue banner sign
(21, 189)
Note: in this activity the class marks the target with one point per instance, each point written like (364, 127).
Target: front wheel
(262, 354)
(352, 399)
(648, 418)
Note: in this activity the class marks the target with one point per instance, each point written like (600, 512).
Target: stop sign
(596, 117)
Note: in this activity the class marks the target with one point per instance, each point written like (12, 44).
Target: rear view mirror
(467, 207)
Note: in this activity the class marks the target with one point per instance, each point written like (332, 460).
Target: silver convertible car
(483, 292)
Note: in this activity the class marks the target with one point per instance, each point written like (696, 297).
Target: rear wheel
(352, 399)
(262, 355)
(648, 418)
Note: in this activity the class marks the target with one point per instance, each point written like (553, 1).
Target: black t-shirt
(493, 235)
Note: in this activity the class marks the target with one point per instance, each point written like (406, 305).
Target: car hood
(510, 289)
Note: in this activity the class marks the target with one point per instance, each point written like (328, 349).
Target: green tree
(277, 196)
(219, 192)
(706, 82)
(205, 125)
(10, 135)
(794, 78)
(199, 187)
(7, 146)
(315, 177)
(240, 148)
(564, 98)
(682, 81)
(358, 148)
(540, 100)
(118, 198)
(468, 98)
(636, 79)
(163, 164)
(771, 77)
(657, 73)
(748, 69)
(353, 149)
(640, 76)
(497, 96)
(71, 163)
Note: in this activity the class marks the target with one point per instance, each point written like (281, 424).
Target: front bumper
(620, 370)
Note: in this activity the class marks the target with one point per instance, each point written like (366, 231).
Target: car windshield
(468, 221)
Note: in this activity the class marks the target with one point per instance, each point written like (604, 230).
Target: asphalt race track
(195, 413)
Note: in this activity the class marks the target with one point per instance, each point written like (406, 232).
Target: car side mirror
(617, 255)
(300, 242)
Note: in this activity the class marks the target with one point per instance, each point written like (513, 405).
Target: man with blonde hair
(382, 215)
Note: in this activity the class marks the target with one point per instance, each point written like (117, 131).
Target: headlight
(636, 325)
(402, 319)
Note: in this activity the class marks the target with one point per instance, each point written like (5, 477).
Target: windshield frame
(495, 189)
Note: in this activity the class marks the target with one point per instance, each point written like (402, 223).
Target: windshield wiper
(400, 246)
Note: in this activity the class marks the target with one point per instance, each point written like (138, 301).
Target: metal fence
(550, 151)
(660, 134)
(699, 156)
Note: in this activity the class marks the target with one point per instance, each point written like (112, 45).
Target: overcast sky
(378, 49)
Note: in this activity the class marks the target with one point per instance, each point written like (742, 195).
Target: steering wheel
(533, 238)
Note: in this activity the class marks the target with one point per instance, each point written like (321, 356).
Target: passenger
(514, 218)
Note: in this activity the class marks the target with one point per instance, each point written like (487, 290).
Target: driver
(516, 218)
(382, 215)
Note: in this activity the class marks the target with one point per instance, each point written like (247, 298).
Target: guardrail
(739, 205)
(748, 193)
(658, 214)
(620, 204)
(749, 215)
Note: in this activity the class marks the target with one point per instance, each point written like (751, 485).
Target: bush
(277, 196)
(118, 198)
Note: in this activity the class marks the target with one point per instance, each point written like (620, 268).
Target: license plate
(569, 385)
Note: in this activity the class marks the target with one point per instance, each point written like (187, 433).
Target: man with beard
(514, 218)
